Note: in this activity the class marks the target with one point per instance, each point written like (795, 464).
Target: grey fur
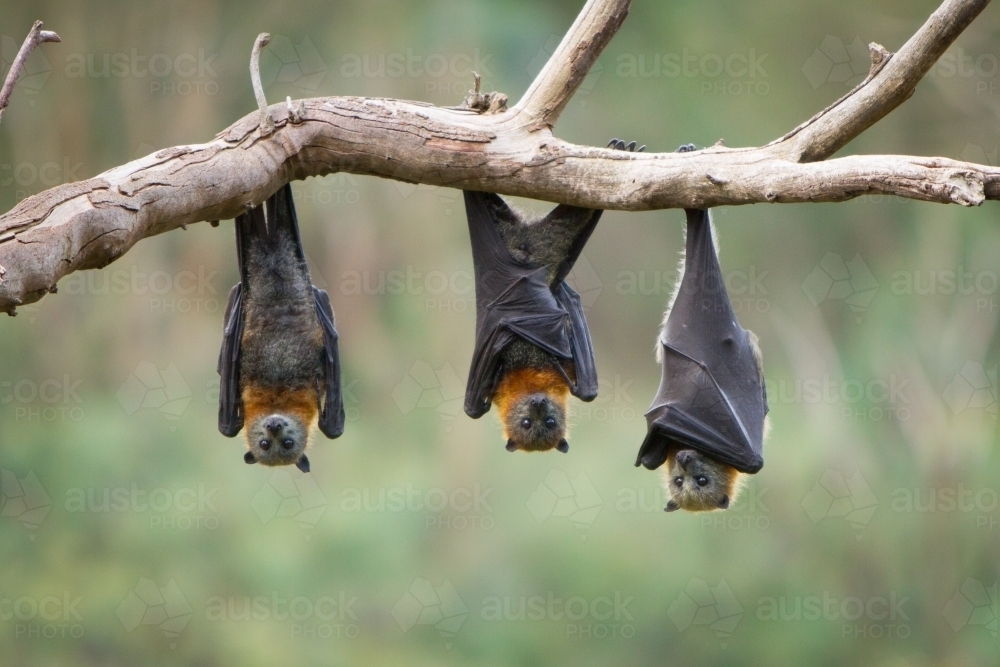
(284, 345)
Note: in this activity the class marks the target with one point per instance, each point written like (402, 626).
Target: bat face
(277, 440)
(697, 483)
(536, 422)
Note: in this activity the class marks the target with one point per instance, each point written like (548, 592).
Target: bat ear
(303, 463)
(724, 502)
(672, 506)
(511, 445)
(563, 446)
(249, 458)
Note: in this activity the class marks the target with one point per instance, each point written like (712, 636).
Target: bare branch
(266, 123)
(891, 82)
(552, 89)
(35, 37)
(511, 151)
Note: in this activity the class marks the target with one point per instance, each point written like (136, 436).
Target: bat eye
(526, 423)
(265, 444)
(550, 422)
(702, 480)
(288, 443)
(679, 481)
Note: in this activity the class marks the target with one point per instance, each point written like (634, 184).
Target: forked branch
(512, 151)
(35, 37)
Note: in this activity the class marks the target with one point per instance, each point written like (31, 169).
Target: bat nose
(539, 401)
(273, 424)
(684, 457)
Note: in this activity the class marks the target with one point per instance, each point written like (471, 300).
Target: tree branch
(891, 81)
(35, 37)
(89, 224)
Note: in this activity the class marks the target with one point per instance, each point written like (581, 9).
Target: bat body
(279, 364)
(533, 347)
(707, 420)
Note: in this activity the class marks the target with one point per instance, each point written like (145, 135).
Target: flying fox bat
(279, 364)
(532, 346)
(707, 420)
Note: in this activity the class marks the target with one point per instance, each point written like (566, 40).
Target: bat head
(278, 440)
(536, 422)
(698, 483)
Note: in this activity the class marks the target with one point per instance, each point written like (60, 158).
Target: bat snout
(274, 424)
(539, 401)
(685, 457)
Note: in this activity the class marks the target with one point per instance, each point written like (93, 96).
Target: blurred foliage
(871, 536)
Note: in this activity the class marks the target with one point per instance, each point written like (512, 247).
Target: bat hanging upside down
(708, 419)
(279, 363)
(533, 347)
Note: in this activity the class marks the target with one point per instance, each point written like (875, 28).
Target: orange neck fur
(300, 403)
(525, 381)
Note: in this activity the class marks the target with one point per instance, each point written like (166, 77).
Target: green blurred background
(132, 533)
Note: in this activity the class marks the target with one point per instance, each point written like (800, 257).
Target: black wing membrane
(331, 417)
(513, 300)
(230, 401)
(249, 226)
(711, 396)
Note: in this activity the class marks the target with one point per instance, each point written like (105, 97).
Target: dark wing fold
(331, 418)
(711, 396)
(513, 300)
(583, 349)
(230, 400)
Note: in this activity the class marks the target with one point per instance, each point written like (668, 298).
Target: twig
(266, 123)
(35, 37)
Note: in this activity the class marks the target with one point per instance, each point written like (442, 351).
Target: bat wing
(513, 300)
(711, 396)
(230, 400)
(582, 348)
(331, 418)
